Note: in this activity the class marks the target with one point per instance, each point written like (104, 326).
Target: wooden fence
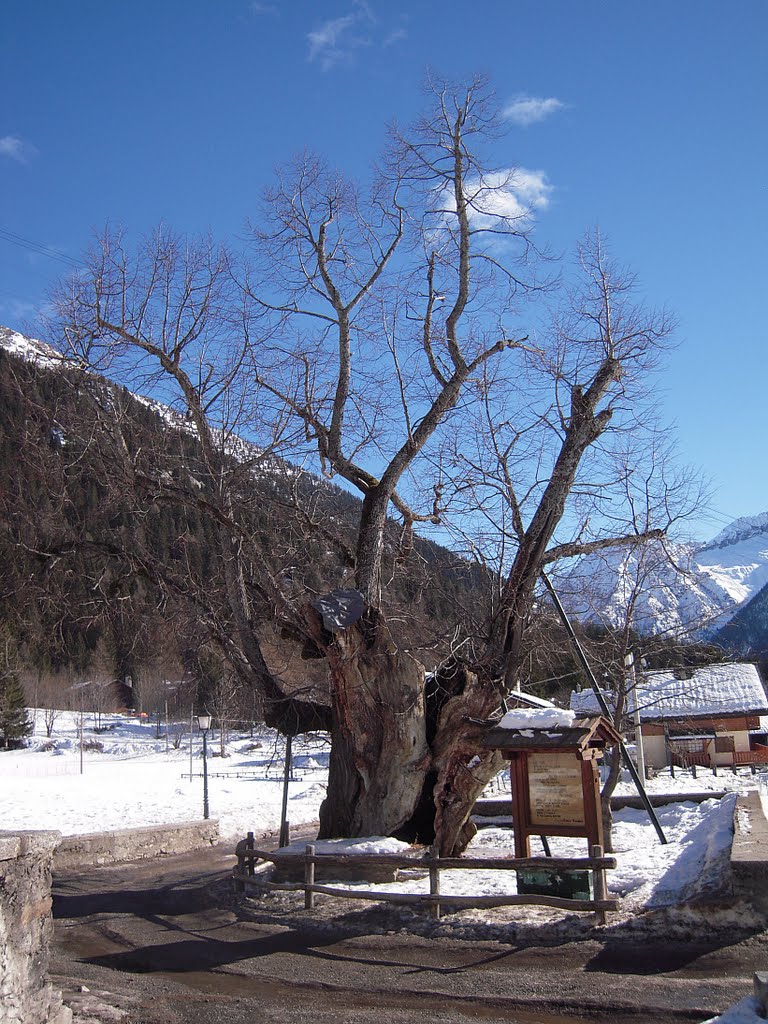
(758, 755)
(247, 856)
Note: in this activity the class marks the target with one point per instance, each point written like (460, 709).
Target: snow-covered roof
(731, 689)
(523, 699)
(537, 718)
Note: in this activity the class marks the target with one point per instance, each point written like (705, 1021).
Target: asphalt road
(164, 942)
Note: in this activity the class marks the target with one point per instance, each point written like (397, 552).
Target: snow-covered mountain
(29, 348)
(680, 589)
(737, 557)
(44, 355)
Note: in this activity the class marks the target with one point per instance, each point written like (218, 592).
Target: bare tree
(367, 336)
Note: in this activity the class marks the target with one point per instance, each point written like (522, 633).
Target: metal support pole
(287, 770)
(309, 876)
(628, 762)
(205, 774)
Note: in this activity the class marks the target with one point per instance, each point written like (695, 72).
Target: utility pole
(629, 664)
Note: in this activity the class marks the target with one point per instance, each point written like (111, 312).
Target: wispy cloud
(19, 312)
(336, 40)
(263, 8)
(16, 149)
(524, 110)
(395, 37)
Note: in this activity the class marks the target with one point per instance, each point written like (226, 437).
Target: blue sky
(645, 119)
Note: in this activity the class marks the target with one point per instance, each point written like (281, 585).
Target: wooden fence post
(239, 886)
(309, 877)
(434, 879)
(249, 844)
(598, 873)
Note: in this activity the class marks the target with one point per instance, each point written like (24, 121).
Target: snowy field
(138, 779)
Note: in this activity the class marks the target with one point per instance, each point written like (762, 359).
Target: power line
(39, 248)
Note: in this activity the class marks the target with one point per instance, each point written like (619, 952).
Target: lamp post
(204, 723)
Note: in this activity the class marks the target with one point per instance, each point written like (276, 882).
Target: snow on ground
(746, 1011)
(135, 781)
(648, 875)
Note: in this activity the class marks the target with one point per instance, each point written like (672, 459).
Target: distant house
(706, 716)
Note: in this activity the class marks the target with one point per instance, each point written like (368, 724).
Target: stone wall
(26, 996)
(96, 849)
(749, 853)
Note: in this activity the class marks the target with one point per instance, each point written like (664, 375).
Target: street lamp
(204, 724)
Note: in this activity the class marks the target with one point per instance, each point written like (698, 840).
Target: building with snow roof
(713, 715)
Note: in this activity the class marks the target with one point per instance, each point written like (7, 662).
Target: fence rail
(247, 857)
(748, 757)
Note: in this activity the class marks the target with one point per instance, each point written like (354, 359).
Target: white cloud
(16, 149)
(525, 110)
(395, 37)
(503, 197)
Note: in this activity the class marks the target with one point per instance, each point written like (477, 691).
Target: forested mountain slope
(71, 599)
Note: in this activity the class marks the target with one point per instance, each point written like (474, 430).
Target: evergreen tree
(14, 720)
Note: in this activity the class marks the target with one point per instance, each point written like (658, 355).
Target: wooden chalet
(712, 715)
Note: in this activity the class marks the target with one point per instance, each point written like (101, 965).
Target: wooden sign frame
(524, 809)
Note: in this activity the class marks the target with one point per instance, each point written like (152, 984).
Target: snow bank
(746, 1011)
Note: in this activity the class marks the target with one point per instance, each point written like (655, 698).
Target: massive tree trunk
(379, 753)
(405, 758)
(463, 768)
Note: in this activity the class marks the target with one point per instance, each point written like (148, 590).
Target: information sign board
(556, 790)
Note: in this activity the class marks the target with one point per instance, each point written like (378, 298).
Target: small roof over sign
(582, 734)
